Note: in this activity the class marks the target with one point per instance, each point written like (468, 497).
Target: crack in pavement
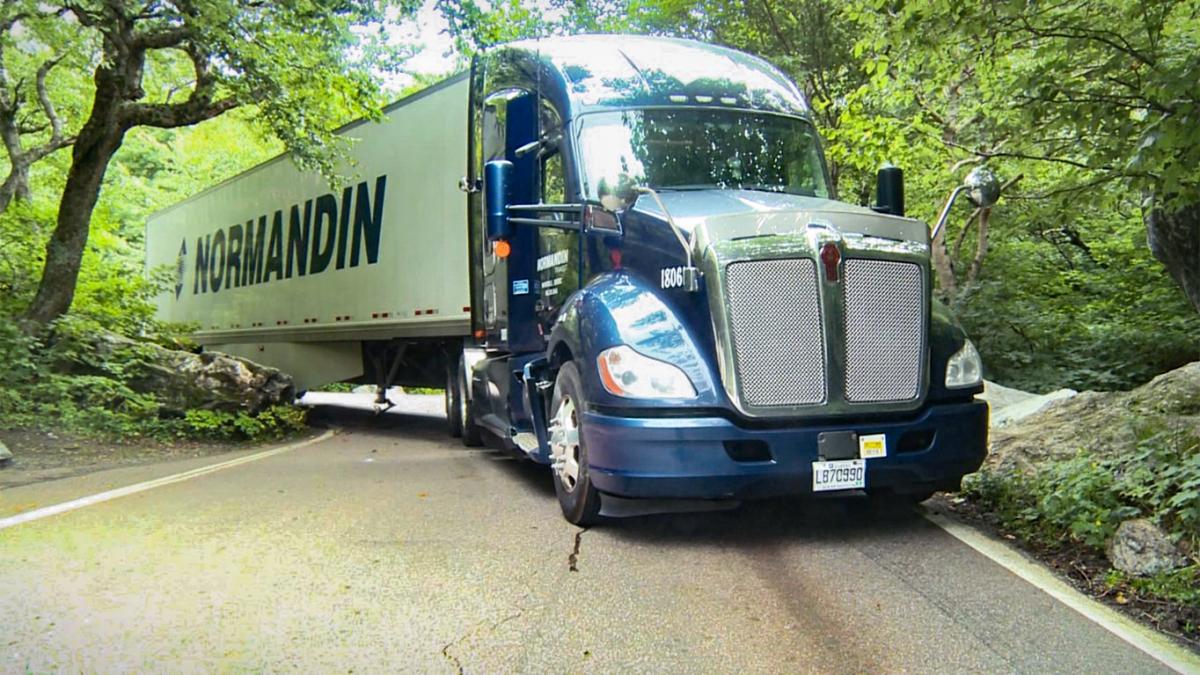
(458, 667)
(527, 602)
(573, 559)
(477, 630)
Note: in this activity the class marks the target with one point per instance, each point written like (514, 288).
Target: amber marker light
(502, 248)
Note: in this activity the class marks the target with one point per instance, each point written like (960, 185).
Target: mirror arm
(941, 221)
(687, 248)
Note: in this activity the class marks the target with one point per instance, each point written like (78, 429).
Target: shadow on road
(426, 427)
(754, 522)
(357, 415)
(772, 522)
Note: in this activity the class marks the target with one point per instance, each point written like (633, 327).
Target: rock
(6, 455)
(1102, 424)
(1011, 405)
(1139, 547)
(185, 381)
(213, 381)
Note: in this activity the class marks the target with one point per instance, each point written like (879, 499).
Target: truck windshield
(701, 148)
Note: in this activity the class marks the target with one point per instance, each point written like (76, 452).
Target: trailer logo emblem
(180, 268)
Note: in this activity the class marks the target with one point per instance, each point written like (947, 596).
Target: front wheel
(471, 434)
(579, 499)
(453, 403)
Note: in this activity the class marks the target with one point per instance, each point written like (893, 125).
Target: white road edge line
(56, 509)
(1152, 643)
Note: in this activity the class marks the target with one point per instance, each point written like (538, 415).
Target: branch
(962, 234)
(784, 41)
(171, 115)
(1075, 188)
(57, 140)
(85, 17)
(198, 107)
(43, 96)
(981, 248)
(161, 39)
(1116, 41)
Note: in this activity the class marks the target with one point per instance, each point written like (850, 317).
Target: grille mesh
(775, 323)
(884, 324)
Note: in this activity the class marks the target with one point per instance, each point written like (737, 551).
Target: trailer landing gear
(384, 380)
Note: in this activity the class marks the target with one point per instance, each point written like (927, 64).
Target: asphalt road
(391, 547)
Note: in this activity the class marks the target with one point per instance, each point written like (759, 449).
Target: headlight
(964, 369)
(624, 372)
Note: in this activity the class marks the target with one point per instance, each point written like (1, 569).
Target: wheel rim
(462, 402)
(564, 444)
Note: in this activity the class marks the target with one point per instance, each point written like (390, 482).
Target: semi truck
(621, 257)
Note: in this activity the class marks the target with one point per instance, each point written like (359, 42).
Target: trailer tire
(471, 434)
(579, 499)
(453, 404)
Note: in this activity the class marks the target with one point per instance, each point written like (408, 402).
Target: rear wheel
(472, 435)
(579, 499)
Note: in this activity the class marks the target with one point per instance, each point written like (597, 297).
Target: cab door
(508, 122)
(558, 249)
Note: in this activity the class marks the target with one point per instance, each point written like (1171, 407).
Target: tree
(292, 60)
(32, 127)
(1109, 89)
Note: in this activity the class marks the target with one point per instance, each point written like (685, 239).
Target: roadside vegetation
(1069, 510)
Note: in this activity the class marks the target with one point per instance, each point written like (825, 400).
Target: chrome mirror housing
(617, 193)
(982, 187)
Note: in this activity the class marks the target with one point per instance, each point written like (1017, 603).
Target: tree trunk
(947, 284)
(64, 252)
(1174, 239)
(15, 186)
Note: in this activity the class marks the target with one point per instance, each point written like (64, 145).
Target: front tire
(472, 435)
(579, 499)
(453, 404)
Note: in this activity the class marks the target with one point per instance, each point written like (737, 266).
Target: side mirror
(889, 191)
(617, 193)
(496, 176)
(982, 187)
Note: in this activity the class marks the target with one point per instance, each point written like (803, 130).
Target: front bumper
(688, 457)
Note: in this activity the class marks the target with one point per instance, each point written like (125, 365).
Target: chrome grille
(884, 328)
(775, 325)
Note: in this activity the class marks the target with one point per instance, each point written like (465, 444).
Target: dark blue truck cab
(668, 301)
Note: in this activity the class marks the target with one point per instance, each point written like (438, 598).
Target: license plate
(847, 474)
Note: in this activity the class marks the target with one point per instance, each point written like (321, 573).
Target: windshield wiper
(776, 189)
(683, 188)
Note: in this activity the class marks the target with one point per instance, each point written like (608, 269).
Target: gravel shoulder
(40, 456)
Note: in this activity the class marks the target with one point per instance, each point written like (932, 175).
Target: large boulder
(1008, 405)
(1139, 547)
(187, 381)
(1102, 424)
(6, 455)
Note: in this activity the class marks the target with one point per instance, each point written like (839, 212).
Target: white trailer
(278, 267)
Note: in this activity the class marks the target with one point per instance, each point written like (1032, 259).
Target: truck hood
(753, 219)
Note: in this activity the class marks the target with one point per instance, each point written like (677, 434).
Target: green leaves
(274, 422)
(1084, 499)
